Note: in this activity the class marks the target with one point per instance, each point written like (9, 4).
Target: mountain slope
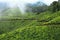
(33, 33)
(33, 29)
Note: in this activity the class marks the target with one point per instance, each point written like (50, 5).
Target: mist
(22, 3)
(19, 3)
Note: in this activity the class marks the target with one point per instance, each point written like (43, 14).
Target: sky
(48, 2)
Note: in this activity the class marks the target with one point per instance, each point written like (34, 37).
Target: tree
(36, 8)
(55, 6)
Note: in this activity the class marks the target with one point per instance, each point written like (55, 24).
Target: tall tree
(55, 6)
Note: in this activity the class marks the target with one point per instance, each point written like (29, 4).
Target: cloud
(15, 1)
(48, 2)
(21, 3)
(27, 1)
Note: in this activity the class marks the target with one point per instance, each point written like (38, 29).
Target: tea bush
(34, 33)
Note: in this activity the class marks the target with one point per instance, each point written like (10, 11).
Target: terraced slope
(7, 26)
(39, 27)
(33, 33)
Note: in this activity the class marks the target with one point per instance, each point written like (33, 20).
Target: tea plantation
(45, 26)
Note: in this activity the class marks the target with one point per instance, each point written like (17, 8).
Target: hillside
(33, 33)
(32, 27)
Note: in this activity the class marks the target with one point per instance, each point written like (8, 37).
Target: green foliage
(29, 26)
(8, 25)
(34, 33)
(55, 6)
(55, 20)
(36, 7)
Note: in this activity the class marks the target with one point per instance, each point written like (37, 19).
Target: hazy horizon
(21, 3)
(15, 2)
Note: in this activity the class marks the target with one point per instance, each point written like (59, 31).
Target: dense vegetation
(31, 26)
(34, 33)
